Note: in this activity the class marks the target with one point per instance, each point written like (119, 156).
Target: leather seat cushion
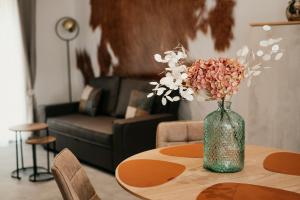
(96, 129)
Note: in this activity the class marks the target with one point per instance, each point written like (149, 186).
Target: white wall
(202, 47)
(51, 85)
(270, 107)
(274, 114)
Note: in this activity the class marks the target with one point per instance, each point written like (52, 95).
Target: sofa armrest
(46, 111)
(134, 135)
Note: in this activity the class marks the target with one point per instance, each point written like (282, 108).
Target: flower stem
(222, 108)
(224, 111)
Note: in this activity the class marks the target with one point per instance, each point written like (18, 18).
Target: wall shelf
(283, 23)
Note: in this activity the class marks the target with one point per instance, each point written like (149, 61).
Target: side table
(19, 129)
(41, 176)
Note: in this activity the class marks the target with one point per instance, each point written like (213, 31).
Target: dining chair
(179, 132)
(71, 178)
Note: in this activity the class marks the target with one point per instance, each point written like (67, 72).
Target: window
(12, 71)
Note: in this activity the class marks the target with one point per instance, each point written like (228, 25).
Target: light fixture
(67, 29)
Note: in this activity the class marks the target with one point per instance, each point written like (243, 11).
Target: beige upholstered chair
(179, 132)
(71, 178)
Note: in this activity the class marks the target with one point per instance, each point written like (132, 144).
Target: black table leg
(21, 142)
(54, 148)
(34, 162)
(48, 159)
(17, 160)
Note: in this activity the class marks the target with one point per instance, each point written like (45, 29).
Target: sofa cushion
(127, 85)
(109, 93)
(139, 104)
(96, 129)
(89, 100)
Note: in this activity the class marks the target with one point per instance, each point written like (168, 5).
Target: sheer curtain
(13, 69)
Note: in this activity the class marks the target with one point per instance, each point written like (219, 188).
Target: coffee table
(19, 129)
(194, 178)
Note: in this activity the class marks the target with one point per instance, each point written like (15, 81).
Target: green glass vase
(224, 140)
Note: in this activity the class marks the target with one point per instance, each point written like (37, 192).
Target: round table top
(194, 179)
(41, 140)
(29, 127)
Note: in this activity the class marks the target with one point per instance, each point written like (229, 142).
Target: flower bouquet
(216, 79)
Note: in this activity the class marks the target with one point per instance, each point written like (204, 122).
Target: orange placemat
(189, 151)
(147, 173)
(239, 191)
(283, 162)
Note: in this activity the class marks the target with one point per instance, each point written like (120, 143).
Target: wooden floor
(11, 189)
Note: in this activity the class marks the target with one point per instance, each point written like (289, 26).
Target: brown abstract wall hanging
(134, 30)
(84, 64)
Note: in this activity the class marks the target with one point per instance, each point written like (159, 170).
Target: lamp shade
(67, 28)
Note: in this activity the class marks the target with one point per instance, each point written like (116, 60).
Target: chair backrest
(179, 132)
(71, 178)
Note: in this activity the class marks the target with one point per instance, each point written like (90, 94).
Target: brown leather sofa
(107, 139)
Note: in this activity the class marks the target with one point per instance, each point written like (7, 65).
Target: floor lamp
(67, 29)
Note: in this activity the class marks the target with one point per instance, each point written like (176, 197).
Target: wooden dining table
(169, 173)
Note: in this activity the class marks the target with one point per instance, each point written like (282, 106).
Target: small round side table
(40, 176)
(19, 129)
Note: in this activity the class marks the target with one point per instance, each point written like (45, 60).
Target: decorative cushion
(89, 100)
(139, 104)
(109, 93)
(127, 85)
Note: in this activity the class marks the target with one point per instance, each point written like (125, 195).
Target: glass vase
(224, 140)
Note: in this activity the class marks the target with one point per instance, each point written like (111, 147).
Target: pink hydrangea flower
(218, 77)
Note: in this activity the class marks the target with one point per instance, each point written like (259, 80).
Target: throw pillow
(89, 100)
(139, 104)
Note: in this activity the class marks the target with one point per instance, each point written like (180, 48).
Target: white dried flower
(259, 53)
(278, 56)
(267, 28)
(264, 43)
(275, 48)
